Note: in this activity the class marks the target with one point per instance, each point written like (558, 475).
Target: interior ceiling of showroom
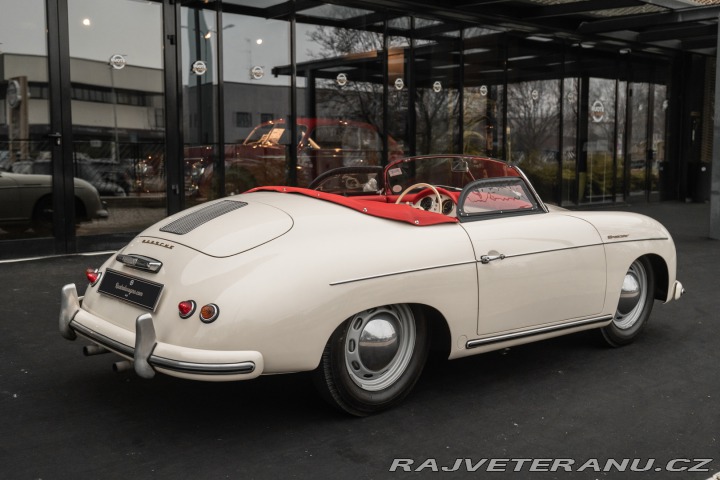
(642, 25)
(645, 25)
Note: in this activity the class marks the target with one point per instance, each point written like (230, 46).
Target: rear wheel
(634, 306)
(373, 359)
(42, 219)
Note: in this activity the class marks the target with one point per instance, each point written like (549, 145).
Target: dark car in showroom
(323, 144)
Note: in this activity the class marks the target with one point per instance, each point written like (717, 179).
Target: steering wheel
(437, 208)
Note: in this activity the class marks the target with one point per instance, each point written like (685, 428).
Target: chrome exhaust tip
(122, 366)
(90, 350)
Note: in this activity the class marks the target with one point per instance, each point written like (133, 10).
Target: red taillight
(93, 275)
(209, 313)
(186, 308)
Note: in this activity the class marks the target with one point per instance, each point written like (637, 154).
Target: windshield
(451, 172)
(272, 134)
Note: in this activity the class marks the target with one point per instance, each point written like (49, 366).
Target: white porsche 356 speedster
(356, 277)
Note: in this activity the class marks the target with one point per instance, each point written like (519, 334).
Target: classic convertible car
(357, 278)
(26, 201)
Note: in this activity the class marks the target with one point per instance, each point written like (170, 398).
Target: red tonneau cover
(389, 211)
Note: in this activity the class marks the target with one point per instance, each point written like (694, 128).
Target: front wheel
(373, 359)
(634, 306)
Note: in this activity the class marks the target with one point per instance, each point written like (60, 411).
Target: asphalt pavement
(565, 408)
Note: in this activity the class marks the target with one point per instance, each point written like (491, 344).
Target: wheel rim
(379, 345)
(632, 297)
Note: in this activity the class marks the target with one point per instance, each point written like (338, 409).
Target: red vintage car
(324, 144)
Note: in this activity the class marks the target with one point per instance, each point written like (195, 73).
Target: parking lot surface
(564, 408)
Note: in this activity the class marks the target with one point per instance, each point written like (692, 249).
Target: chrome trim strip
(140, 262)
(166, 363)
(536, 331)
(101, 339)
(601, 244)
(204, 368)
(532, 189)
(479, 260)
(401, 272)
(631, 240)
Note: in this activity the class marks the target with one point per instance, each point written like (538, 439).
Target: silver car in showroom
(26, 202)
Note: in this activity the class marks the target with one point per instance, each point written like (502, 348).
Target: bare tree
(533, 118)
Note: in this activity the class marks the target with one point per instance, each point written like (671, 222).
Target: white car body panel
(563, 278)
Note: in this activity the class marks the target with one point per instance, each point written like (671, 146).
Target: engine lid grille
(190, 222)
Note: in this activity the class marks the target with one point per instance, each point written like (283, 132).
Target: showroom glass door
(200, 123)
(533, 104)
(437, 71)
(25, 198)
(256, 103)
(598, 180)
(483, 94)
(659, 104)
(340, 91)
(647, 107)
(118, 131)
(400, 114)
(639, 159)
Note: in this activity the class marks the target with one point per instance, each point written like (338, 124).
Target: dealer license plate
(127, 288)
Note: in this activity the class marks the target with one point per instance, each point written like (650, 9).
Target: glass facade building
(160, 105)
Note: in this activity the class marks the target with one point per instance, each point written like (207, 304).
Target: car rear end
(169, 284)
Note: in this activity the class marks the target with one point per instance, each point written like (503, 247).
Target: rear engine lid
(222, 228)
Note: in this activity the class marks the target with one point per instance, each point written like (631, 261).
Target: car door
(9, 198)
(534, 268)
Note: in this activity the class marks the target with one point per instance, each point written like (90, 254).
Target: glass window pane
(256, 74)
(638, 140)
(601, 141)
(116, 68)
(533, 109)
(437, 75)
(25, 197)
(660, 104)
(569, 139)
(340, 100)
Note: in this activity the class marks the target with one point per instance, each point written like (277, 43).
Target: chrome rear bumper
(144, 361)
(678, 290)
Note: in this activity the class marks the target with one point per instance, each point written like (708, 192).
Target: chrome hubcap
(379, 345)
(632, 297)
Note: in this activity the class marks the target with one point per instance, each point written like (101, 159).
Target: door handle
(57, 138)
(489, 258)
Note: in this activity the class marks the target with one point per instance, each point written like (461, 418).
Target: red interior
(382, 206)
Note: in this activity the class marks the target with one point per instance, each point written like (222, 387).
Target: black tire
(373, 360)
(42, 219)
(634, 307)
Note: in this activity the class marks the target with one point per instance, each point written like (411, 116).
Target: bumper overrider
(146, 353)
